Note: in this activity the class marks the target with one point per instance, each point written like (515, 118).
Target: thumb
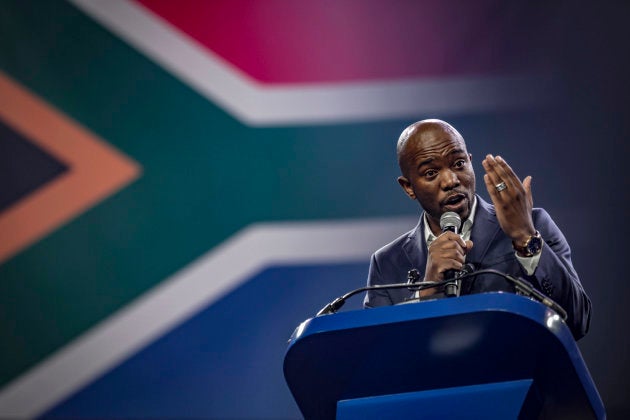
(469, 245)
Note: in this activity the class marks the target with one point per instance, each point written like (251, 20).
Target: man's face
(437, 171)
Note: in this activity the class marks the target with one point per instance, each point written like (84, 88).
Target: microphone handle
(451, 288)
(451, 274)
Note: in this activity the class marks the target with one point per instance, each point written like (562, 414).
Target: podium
(483, 356)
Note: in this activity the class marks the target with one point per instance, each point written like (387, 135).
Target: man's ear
(406, 186)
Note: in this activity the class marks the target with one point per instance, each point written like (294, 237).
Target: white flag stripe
(187, 292)
(260, 104)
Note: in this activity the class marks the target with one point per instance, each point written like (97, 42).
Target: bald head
(415, 134)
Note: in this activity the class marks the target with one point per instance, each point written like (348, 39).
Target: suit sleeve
(556, 277)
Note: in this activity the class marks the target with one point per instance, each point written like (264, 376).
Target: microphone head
(450, 221)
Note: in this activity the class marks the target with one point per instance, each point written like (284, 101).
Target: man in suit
(508, 235)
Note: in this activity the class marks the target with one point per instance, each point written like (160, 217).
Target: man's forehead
(434, 141)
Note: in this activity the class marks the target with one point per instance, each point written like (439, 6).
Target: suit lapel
(485, 229)
(415, 248)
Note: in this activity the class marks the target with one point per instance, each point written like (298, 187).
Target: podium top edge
(481, 302)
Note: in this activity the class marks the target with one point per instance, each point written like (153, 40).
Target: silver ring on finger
(500, 186)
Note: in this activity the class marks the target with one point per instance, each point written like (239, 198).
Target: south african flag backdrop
(183, 182)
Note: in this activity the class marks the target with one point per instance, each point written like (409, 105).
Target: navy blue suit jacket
(492, 249)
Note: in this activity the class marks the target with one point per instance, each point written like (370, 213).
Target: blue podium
(484, 356)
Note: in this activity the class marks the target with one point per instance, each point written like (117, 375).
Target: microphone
(523, 287)
(450, 221)
(336, 304)
(454, 280)
(413, 276)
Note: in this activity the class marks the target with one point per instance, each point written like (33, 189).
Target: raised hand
(511, 198)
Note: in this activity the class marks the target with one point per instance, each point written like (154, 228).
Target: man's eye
(430, 173)
(460, 163)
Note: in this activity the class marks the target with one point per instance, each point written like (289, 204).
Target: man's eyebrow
(431, 159)
(425, 162)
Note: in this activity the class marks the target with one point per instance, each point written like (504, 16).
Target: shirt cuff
(529, 263)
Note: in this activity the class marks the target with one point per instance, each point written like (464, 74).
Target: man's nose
(449, 180)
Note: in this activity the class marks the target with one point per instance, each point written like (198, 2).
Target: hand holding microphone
(447, 254)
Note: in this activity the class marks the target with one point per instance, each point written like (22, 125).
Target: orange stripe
(96, 169)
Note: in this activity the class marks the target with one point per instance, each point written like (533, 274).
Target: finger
(505, 167)
(495, 173)
(491, 187)
(449, 236)
(451, 263)
(527, 184)
(455, 254)
(489, 164)
(506, 173)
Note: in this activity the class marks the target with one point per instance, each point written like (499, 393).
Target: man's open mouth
(454, 199)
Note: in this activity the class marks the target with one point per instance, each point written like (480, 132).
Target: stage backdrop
(182, 183)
